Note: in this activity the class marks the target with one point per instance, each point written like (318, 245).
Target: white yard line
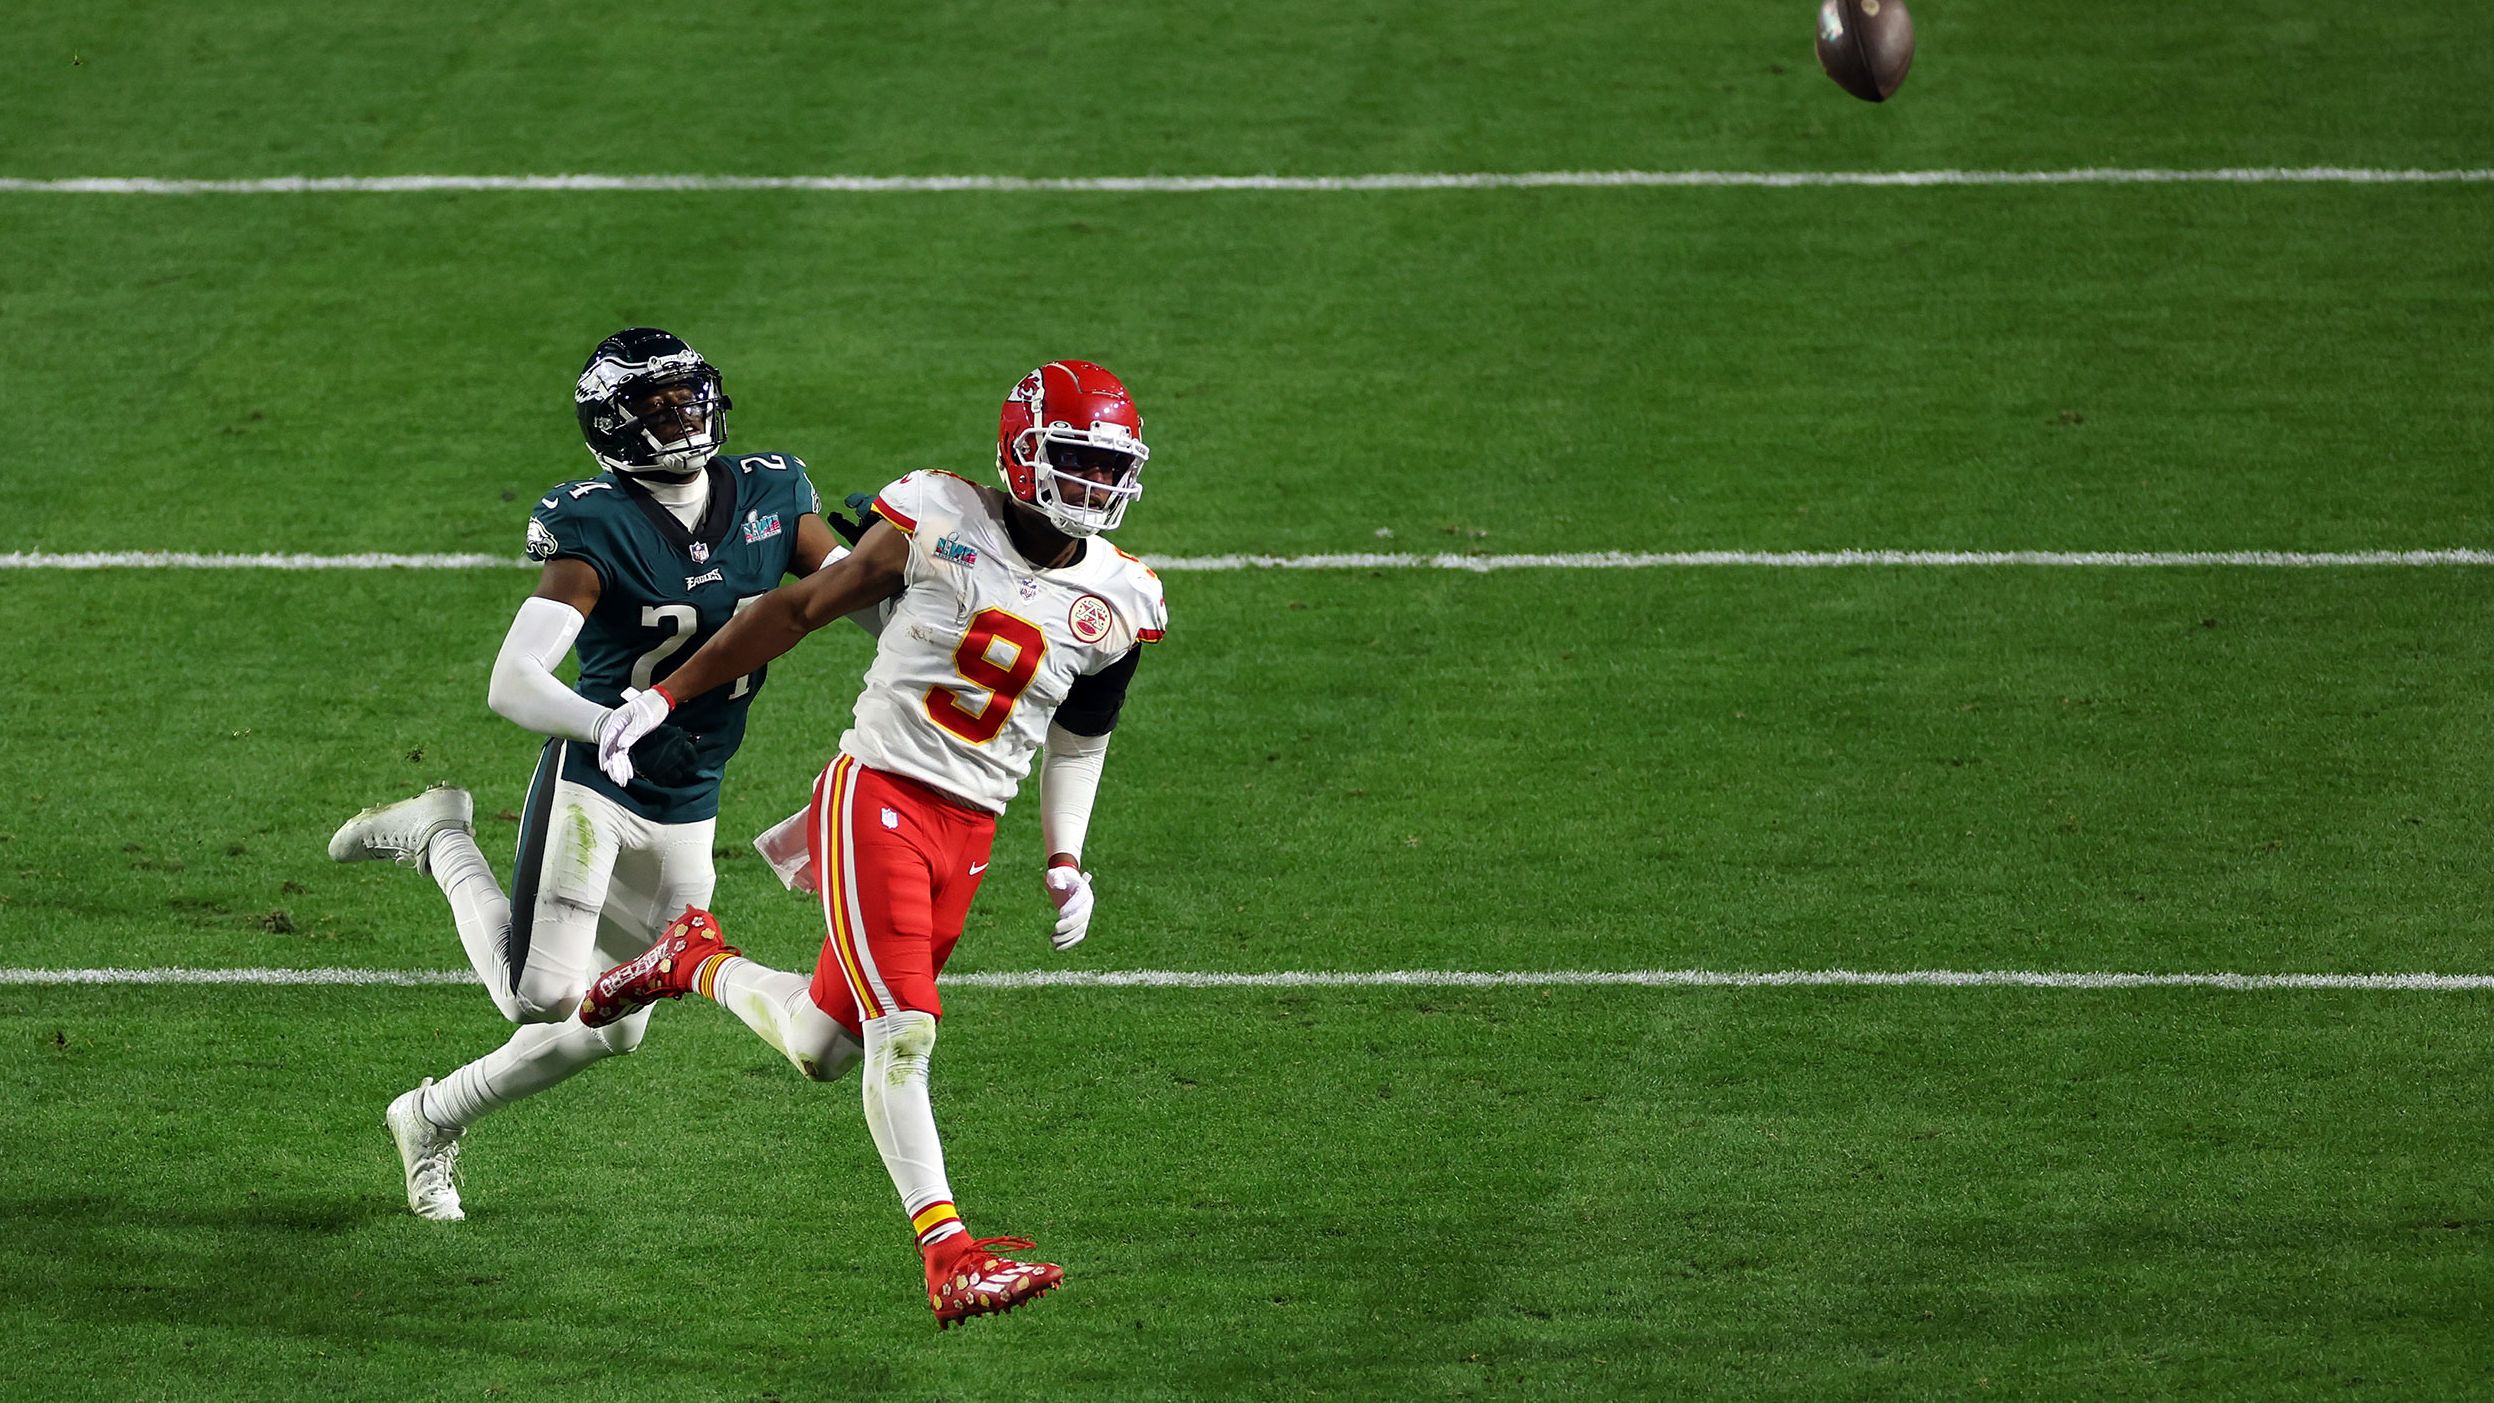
(1471, 564)
(1809, 560)
(1403, 979)
(195, 560)
(1210, 184)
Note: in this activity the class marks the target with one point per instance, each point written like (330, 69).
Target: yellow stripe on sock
(708, 974)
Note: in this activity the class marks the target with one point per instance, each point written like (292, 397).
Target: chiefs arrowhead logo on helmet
(1070, 443)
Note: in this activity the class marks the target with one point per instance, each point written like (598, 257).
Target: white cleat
(400, 831)
(431, 1154)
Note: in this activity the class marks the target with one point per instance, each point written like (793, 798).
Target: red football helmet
(1070, 443)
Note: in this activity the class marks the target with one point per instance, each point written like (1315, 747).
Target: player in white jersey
(1011, 626)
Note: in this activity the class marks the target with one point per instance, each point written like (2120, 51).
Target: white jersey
(982, 646)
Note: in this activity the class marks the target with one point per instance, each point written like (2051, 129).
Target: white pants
(602, 884)
(594, 885)
(608, 881)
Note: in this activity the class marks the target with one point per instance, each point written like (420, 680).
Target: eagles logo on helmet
(649, 405)
(1070, 443)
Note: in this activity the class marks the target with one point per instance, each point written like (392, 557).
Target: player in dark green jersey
(643, 563)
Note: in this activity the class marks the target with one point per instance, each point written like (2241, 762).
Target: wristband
(661, 689)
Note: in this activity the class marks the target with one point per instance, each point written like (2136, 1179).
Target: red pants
(896, 864)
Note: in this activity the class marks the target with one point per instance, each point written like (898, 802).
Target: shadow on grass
(212, 1294)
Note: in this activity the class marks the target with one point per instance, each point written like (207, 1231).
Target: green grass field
(1292, 1193)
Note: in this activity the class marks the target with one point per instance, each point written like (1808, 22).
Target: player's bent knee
(549, 995)
(821, 1048)
(546, 1005)
(818, 1044)
(624, 1035)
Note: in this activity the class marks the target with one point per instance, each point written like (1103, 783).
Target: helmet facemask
(677, 420)
(1082, 481)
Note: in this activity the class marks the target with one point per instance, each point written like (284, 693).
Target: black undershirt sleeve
(1090, 707)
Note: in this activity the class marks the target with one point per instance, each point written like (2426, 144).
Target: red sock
(942, 1238)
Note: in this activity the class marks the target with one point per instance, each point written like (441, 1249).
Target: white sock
(780, 1009)
(902, 1120)
(537, 1056)
(482, 912)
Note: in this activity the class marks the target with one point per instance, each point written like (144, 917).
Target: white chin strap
(686, 455)
(672, 463)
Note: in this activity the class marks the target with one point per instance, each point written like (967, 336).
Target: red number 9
(1004, 683)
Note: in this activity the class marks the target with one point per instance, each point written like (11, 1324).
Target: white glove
(1070, 889)
(622, 728)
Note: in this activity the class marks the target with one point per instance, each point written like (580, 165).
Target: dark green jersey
(663, 591)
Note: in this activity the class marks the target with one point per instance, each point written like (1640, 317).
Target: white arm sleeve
(525, 690)
(1069, 779)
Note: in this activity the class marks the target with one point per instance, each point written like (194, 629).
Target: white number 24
(678, 620)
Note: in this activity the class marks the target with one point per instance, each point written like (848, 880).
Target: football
(1866, 45)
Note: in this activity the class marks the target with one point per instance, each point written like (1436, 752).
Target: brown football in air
(1866, 45)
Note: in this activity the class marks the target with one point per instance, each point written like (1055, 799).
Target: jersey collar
(716, 517)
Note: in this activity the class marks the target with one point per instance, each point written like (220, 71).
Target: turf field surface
(1800, 1194)
(1352, 1192)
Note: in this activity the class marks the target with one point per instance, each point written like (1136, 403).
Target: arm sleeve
(525, 690)
(1069, 780)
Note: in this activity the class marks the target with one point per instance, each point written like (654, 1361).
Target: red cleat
(978, 1282)
(670, 969)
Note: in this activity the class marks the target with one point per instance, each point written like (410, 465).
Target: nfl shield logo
(701, 553)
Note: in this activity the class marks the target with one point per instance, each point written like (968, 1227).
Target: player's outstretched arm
(867, 575)
(817, 546)
(822, 542)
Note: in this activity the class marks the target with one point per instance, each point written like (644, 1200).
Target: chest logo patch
(759, 527)
(707, 577)
(1089, 618)
(700, 553)
(541, 542)
(953, 548)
